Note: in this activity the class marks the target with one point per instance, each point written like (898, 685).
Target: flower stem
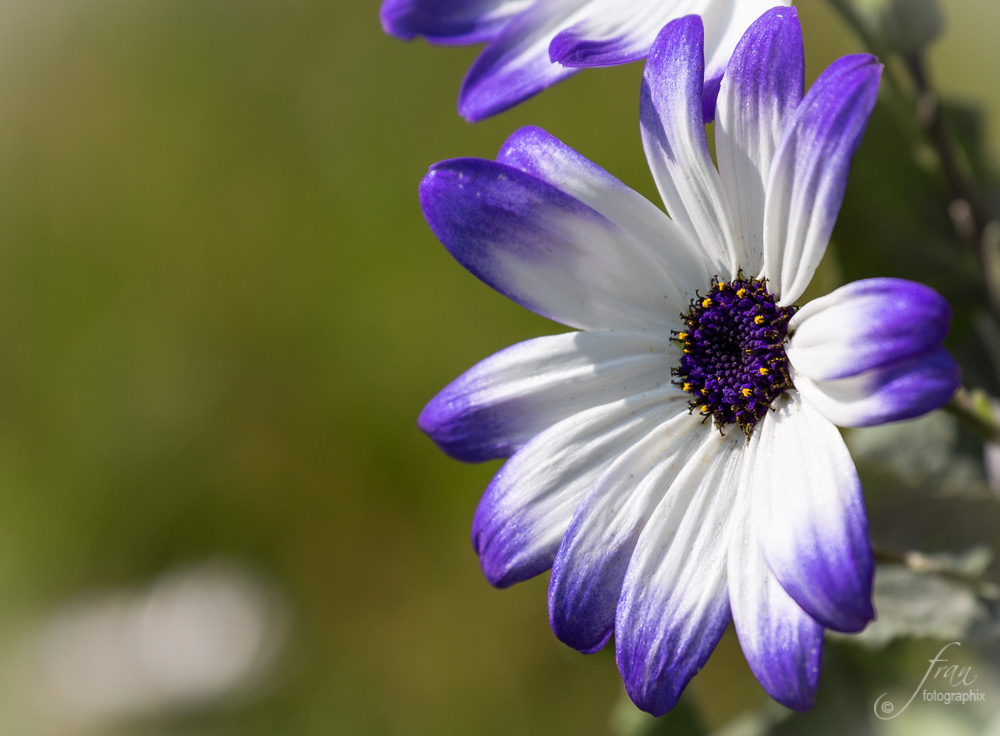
(930, 565)
(870, 42)
(974, 410)
(967, 212)
(968, 215)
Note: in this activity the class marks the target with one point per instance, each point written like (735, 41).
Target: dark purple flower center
(734, 363)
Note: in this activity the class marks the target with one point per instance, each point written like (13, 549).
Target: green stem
(925, 564)
(929, 118)
(975, 411)
(894, 97)
(969, 216)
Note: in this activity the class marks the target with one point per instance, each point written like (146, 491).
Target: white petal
(616, 32)
(675, 604)
(725, 23)
(500, 403)
(677, 262)
(782, 643)
(544, 248)
(469, 21)
(810, 516)
(762, 87)
(526, 508)
(865, 325)
(809, 173)
(590, 566)
(673, 134)
(903, 390)
(515, 64)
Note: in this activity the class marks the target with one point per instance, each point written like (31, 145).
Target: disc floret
(733, 363)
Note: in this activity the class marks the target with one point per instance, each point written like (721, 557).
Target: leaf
(934, 596)
(921, 453)
(683, 720)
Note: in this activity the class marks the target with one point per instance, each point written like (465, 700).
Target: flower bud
(900, 26)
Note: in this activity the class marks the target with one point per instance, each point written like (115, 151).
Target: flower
(676, 460)
(532, 44)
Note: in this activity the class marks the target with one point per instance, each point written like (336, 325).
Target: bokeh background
(220, 315)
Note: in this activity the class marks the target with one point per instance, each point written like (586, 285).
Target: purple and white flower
(675, 461)
(532, 44)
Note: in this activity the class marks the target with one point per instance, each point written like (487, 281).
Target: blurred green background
(220, 315)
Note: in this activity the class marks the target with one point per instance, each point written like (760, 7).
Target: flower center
(734, 363)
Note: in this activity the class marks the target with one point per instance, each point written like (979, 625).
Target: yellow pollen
(721, 285)
(764, 371)
(686, 351)
(706, 303)
(747, 392)
(741, 293)
(705, 410)
(682, 336)
(704, 392)
(687, 386)
(759, 319)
